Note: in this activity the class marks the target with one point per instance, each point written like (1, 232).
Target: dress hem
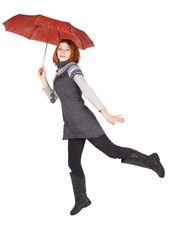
(66, 138)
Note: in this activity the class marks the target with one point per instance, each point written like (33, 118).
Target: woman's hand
(110, 118)
(42, 73)
(42, 76)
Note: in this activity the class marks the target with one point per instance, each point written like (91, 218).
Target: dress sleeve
(52, 95)
(77, 75)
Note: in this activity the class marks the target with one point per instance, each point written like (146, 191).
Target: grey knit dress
(79, 120)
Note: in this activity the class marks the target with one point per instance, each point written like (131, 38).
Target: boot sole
(84, 206)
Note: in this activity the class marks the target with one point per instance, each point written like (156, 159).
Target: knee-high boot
(152, 162)
(79, 188)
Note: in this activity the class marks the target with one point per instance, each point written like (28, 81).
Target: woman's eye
(60, 49)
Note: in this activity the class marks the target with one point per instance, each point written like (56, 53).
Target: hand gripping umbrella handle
(41, 71)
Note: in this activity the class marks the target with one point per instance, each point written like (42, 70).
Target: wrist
(104, 112)
(44, 82)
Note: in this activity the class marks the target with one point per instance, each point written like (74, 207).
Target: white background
(131, 70)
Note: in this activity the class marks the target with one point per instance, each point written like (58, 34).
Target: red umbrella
(48, 30)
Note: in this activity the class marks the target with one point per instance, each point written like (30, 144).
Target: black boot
(152, 162)
(81, 199)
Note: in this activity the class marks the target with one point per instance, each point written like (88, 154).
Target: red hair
(75, 53)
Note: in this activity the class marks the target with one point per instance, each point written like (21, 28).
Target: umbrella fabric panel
(23, 28)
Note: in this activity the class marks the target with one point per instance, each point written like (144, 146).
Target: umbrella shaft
(44, 54)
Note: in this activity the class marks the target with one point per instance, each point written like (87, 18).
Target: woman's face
(63, 52)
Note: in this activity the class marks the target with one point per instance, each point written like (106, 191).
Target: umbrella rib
(34, 30)
(58, 34)
(81, 41)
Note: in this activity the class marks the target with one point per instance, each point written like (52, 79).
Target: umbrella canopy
(48, 30)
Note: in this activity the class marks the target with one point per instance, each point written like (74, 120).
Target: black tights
(103, 143)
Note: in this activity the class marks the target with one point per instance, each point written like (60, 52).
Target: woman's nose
(63, 51)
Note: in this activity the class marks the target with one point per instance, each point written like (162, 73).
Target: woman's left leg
(104, 144)
(128, 155)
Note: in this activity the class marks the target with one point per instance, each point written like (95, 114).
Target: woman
(81, 124)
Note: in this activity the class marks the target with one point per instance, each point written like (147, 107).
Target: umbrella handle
(41, 71)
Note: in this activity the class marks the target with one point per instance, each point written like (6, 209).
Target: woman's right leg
(75, 149)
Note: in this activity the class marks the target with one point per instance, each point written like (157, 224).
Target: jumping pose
(80, 123)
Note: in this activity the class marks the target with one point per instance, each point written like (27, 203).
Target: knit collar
(62, 64)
